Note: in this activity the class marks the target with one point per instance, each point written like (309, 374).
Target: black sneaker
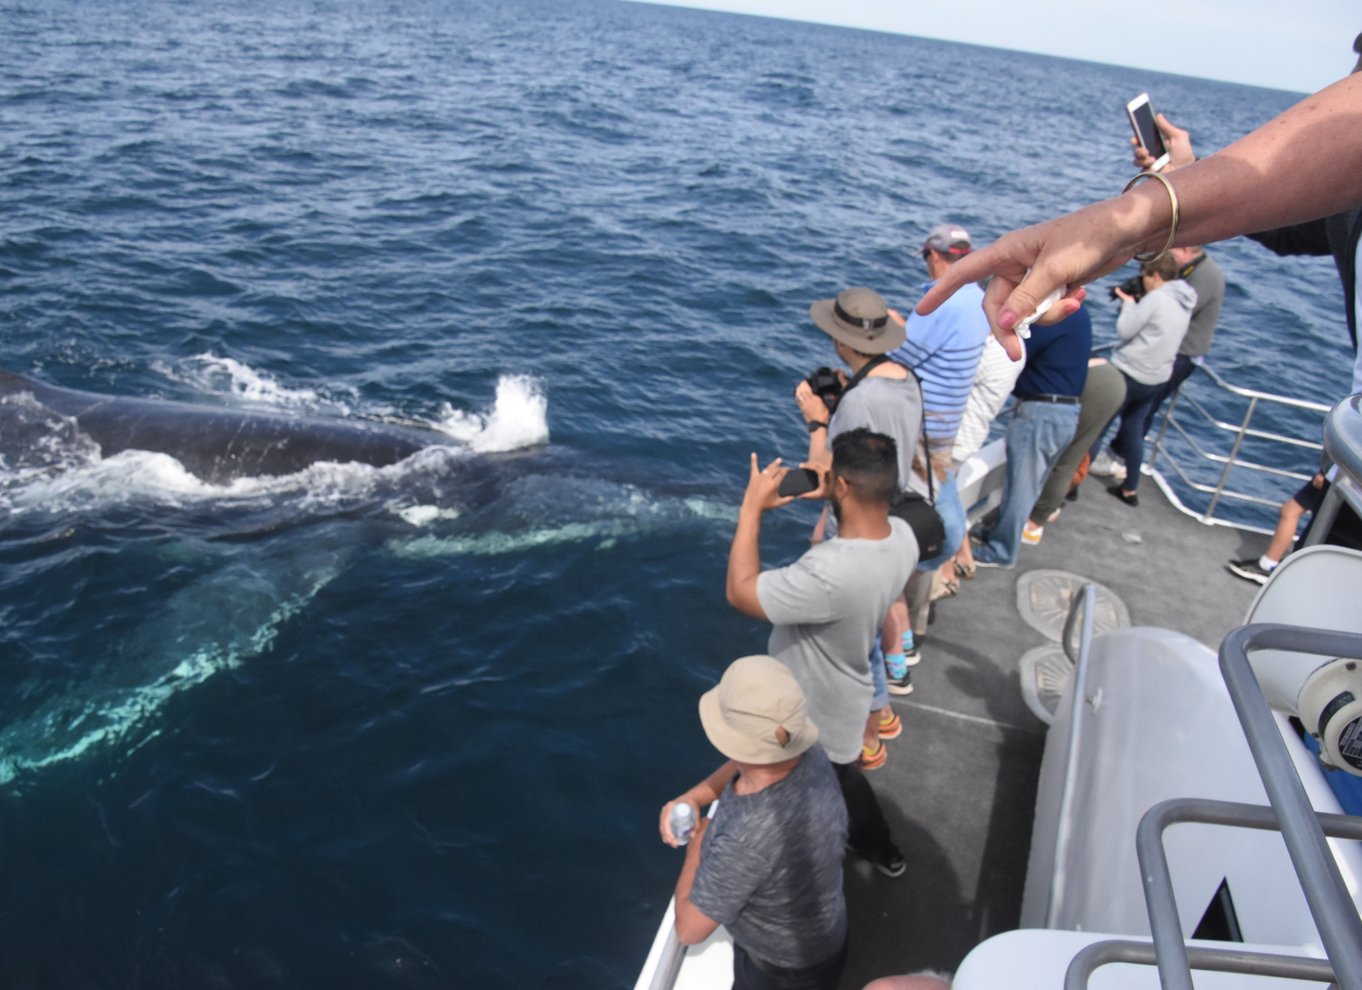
(893, 867)
(1249, 570)
(902, 684)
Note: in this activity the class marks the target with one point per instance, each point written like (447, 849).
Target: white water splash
(518, 419)
(423, 515)
(215, 375)
(135, 477)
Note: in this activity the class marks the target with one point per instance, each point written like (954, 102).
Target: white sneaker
(1031, 534)
(1108, 465)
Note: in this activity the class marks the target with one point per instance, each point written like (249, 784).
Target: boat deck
(960, 783)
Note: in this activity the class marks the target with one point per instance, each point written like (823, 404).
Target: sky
(1296, 45)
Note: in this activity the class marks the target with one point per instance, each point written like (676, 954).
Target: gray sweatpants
(1103, 395)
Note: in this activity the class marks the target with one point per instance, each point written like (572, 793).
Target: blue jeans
(1036, 437)
(1183, 366)
(952, 512)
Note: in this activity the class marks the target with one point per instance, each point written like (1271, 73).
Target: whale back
(218, 444)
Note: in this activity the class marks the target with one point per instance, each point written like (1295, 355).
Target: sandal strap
(873, 758)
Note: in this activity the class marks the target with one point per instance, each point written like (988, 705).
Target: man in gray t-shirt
(826, 606)
(769, 864)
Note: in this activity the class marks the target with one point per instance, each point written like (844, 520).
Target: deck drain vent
(1045, 673)
(1044, 598)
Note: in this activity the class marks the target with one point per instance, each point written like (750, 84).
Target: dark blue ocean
(410, 727)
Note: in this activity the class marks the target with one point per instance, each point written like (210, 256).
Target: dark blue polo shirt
(1057, 358)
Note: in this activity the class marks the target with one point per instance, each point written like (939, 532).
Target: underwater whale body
(218, 444)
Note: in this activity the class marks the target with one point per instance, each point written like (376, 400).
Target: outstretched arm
(1301, 165)
(744, 556)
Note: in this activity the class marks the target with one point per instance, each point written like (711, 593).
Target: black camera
(827, 385)
(1133, 286)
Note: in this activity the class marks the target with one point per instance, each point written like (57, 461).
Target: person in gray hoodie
(1151, 331)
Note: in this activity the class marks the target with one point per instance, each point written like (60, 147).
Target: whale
(219, 443)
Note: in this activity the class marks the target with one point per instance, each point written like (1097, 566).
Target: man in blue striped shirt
(943, 350)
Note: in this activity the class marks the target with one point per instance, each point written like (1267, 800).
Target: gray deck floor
(960, 782)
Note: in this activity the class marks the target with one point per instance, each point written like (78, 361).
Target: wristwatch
(815, 425)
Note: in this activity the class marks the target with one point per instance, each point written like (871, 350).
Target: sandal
(891, 727)
(964, 571)
(944, 587)
(873, 759)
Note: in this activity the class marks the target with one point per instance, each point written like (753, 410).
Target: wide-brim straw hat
(858, 318)
(756, 696)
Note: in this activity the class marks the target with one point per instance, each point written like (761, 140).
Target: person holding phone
(1147, 136)
(1300, 166)
(1168, 148)
(825, 607)
(1336, 235)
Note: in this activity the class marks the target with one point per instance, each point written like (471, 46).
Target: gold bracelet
(1173, 229)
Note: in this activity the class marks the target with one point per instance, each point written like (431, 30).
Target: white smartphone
(1141, 114)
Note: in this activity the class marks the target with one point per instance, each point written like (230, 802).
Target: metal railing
(1207, 424)
(1304, 830)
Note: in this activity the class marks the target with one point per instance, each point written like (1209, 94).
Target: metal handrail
(1174, 967)
(1240, 432)
(1330, 903)
(1303, 829)
(1253, 393)
(1244, 961)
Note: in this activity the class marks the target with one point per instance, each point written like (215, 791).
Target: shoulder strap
(866, 369)
(869, 366)
(926, 451)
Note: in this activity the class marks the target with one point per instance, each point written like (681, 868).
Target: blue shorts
(1309, 497)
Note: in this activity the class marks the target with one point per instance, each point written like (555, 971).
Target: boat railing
(1343, 442)
(665, 956)
(1303, 829)
(1242, 961)
(1208, 471)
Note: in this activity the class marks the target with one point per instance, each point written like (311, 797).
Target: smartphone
(1141, 114)
(800, 481)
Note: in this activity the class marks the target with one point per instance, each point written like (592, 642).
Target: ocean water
(410, 727)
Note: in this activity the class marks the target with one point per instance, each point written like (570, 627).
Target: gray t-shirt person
(1209, 282)
(825, 609)
(890, 406)
(771, 866)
